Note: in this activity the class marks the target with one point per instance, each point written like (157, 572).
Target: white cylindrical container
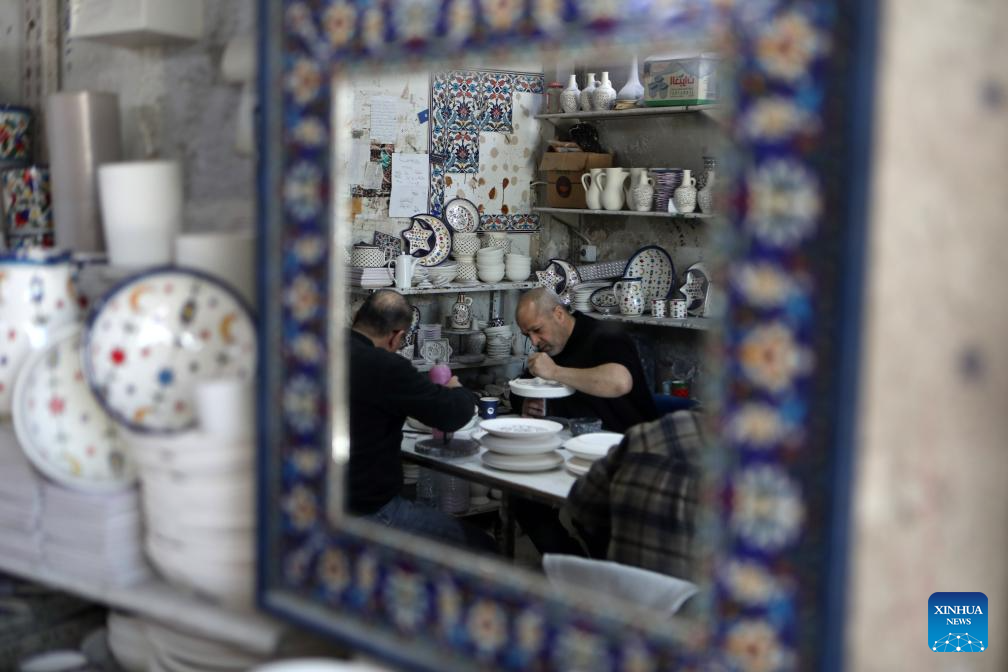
(228, 255)
(141, 204)
(83, 132)
(225, 407)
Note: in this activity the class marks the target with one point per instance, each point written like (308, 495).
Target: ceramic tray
(653, 265)
(594, 445)
(603, 298)
(537, 388)
(527, 428)
(61, 426)
(462, 215)
(544, 462)
(520, 446)
(153, 336)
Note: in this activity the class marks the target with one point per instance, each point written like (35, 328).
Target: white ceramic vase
(685, 196)
(642, 192)
(705, 197)
(633, 89)
(604, 95)
(593, 192)
(611, 183)
(587, 99)
(571, 96)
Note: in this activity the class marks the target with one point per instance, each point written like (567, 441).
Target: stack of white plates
(427, 332)
(490, 264)
(198, 498)
(587, 448)
(441, 275)
(521, 444)
(128, 642)
(499, 341)
(20, 502)
(93, 536)
(582, 293)
(370, 277)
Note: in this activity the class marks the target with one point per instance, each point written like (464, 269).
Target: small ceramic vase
(587, 99)
(593, 193)
(461, 315)
(705, 197)
(709, 164)
(686, 195)
(633, 89)
(604, 95)
(641, 193)
(571, 96)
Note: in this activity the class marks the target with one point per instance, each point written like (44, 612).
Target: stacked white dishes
(198, 498)
(441, 275)
(427, 332)
(490, 264)
(93, 536)
(581, 295)
(20, 503)
(521, 444)
(588, 448)
(128, 642)
(370, 277)
(517, 267)
(499, 340)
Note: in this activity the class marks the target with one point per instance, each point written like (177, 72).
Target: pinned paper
(360, 154)
(384, 115)
(373, 176)
(410, 180)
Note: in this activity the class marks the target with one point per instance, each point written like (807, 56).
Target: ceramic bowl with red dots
(62, 428)
(37, 296)
(153, 336)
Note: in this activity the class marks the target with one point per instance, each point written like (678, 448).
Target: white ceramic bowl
(517, 275)
(491, 275)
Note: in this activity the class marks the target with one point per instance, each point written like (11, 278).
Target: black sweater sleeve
(434, 405)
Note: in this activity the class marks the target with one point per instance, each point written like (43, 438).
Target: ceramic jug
(604, 95)
(611, 182)
(630, 294)
(461, 314)
(570, 97)
(587, 100)
(635, 174)
(684, 197)
(705, 197)
(404, 267)
(642, 192)
(593, 192)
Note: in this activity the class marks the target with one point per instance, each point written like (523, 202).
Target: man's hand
(453, 382)
(542, 365)
(534, 408)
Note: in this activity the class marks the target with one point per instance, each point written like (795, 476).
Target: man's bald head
(542, 299)
(544, 319)
(383, 313)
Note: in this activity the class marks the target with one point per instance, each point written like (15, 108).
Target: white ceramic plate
(61, 426)
(521, 446)
(537, 388)
(594, 445)
(577, 467)
(462, 215)
(653, 265)
(523, 428)
(415, 424)
(543, 462)
(154, 336)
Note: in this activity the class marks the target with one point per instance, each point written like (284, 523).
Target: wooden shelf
(453, 288)
(694, 323)
(625, 213)
(485, 363)
(166, 604)
(627, 114)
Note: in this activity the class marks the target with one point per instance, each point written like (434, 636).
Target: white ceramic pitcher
(593, 192)
(611, 181)
(404, 267)
(630, 294)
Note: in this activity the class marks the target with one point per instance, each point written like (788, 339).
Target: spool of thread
(82, 133)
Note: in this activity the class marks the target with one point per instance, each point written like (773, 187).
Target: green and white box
(681, 80)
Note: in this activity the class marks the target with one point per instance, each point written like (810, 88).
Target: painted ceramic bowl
(61, 426)
(154, 335)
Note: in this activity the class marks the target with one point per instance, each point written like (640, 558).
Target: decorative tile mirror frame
(803, 91)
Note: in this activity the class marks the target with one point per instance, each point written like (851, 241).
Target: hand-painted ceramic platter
(653, 265)
(603, 298)
(61, 426)
(155, 335)
(462, 215)
(440, 247)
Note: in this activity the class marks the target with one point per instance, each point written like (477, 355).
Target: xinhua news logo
(957, 622)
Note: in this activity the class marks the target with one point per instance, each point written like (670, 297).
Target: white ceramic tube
(141, 204)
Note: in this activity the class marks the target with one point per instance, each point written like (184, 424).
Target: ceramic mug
(27, 203)
(488, 407)
(658, 307)
(678, 308)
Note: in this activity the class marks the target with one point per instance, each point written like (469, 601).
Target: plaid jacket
(637, 505)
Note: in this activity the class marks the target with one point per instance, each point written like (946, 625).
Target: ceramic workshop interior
(271, 398)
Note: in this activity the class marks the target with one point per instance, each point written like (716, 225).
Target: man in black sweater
(384, 389)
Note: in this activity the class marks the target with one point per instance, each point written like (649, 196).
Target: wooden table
(549, 487)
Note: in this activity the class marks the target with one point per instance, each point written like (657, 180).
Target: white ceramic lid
(538, 388)
(526, 428)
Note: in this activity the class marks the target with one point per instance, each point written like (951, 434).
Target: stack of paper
(20, 502)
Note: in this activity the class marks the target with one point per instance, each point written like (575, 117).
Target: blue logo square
(957, 622)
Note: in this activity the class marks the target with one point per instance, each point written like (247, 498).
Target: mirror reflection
(530, 264)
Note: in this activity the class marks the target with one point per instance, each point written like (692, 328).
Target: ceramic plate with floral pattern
(62, 428)
(462, 215)
(155, 335)
(653, 265)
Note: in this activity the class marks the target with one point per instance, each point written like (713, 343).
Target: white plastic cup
(228, 255)
(141, 204)
(225, 408)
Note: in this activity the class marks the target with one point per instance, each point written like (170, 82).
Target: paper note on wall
(384, 118)
(410, 180)
(372, 176)
(360, 154)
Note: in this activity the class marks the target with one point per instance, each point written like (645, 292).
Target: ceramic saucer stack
(370, 278)
(443, 274)
(128, 643)
(20, 503)
(667, 180)
(582, 293)
(521, 444)
(499, 341)
(588, 448)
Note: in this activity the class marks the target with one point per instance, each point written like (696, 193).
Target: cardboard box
(563, 170)
(681, 80)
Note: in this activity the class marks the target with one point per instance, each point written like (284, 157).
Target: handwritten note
(360, 154)
(384, 118)
(409, 184)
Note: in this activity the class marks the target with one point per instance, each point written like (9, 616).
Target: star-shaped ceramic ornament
(695, 289)
(549, 278)
(418, 237)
